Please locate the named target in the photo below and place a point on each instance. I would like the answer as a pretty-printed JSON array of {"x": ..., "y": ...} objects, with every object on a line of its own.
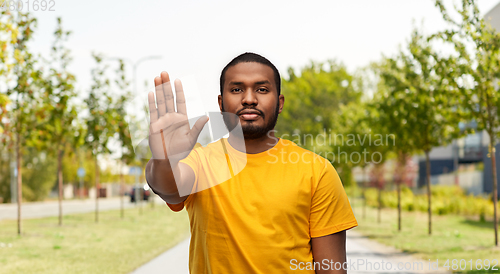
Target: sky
[{"x": 196, "y": 39}]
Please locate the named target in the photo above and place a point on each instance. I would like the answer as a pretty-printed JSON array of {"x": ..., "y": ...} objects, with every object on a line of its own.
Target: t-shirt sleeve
[
  {"x": 331, "y": 211},
  {"x": 193, "y": 161}
]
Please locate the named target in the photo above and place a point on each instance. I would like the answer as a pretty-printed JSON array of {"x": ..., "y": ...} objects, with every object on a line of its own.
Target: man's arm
[
  {"x": 170, "y": 140},
  {"x": 160, "y": 177},
  {"x": 331, "y": 248}
]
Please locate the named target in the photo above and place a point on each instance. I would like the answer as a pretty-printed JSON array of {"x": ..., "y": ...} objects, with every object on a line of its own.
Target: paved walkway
[
  {"x": 51, "y": 208},
  {"x": 363, "y": 255},
  {"x": 173, "y": 261}
]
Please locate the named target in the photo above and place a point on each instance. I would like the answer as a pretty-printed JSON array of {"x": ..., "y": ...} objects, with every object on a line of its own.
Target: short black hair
[{"x": 249, "y": 57}]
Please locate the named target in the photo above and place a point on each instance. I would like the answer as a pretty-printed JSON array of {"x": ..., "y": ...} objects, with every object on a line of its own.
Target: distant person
[{"x": 256, "y": 203}]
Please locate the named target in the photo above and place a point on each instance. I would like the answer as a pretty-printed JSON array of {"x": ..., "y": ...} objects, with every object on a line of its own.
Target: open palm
[{"x": 170, "y": 136}]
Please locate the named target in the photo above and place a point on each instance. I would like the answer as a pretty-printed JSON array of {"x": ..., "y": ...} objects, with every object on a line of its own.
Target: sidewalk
[
  {"x": 364, "y": 256},
  {"x": 173, "y": 261},
  {"x": 51, "y": 208}
]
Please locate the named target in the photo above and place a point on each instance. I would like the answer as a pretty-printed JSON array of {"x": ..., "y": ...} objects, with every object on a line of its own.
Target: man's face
[{"x": 251, "y": 93}]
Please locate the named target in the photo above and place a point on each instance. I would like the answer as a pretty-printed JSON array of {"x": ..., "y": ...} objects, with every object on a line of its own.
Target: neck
[{"x": 255, "y": 145}]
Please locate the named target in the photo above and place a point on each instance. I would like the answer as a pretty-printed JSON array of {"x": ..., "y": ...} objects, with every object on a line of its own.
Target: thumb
[{"x": 198, "y": 126}]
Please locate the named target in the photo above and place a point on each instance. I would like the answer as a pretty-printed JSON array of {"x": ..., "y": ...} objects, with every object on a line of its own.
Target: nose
[{"x": 249, "y": 98}]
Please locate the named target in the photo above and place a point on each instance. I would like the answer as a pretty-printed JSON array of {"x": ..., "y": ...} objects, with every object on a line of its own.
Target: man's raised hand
[{"x": 170, "y": 136}]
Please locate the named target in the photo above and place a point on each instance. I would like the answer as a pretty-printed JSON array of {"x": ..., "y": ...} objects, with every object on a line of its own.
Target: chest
[{"x": 267, "y": 194}]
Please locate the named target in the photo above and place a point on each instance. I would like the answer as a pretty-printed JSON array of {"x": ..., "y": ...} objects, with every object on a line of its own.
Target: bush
[
  {"x": 445, "y": 200},
  {"x": 447, "y": 191}
]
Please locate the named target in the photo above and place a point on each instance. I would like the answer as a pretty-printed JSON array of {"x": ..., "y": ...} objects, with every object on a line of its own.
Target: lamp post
[{"x": 135, "y": 65}]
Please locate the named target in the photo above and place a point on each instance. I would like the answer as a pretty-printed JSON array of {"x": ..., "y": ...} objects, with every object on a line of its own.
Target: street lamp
[
  {"x": 136, "y": 64},
  {"x": 134, "y": 69}
]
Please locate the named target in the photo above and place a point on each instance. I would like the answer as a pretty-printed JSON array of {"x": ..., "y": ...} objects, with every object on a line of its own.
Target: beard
[{"x": 251, "y": 131}]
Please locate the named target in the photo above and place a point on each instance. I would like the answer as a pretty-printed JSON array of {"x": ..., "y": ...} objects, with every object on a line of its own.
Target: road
[
  {"x": 363, "y": 256},
  {"x": 51, "y": 208}
]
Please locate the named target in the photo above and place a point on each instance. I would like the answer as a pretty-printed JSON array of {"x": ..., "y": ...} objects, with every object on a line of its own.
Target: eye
[
  {"x": 264, "y": 90},
  {"x": 235, "y": 90}
]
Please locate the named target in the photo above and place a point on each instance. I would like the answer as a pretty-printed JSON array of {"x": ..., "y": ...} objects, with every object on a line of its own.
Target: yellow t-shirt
[{"x": 261, "y": 218}]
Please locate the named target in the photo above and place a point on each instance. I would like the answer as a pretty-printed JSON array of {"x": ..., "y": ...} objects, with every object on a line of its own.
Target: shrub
[{"x": 445, "y": 200}]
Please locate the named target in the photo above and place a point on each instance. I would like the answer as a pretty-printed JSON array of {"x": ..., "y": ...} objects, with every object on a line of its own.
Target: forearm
[{"x": 160, "y": 177}]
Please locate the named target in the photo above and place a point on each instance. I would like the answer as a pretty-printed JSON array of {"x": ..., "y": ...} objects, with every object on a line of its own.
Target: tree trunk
[
  {"x": 365, "y": 182},
  {"x": 400, "y": 173},
  {"x": 96, "y": 190},
  {"x": 495, "y": 190},
  {"x": 60, "y": 182},
  {"x": 399, "y": 205},
  {"x": 122, "y": 191},
  {"x": 379, "y": 219},
  {"x": 428, "y": 179},
  {"x": 19, "y": 183}
]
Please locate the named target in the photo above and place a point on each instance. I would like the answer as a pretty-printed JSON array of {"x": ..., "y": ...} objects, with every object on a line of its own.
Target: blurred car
[{"x": 144, "y": 190}]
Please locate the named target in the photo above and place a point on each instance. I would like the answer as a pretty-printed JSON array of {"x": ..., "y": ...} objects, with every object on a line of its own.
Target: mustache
[{"x": 260, "y": 112}]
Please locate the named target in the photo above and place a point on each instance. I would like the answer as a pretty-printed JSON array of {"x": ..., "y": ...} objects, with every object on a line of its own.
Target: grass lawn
[
  {"x": 453, "y": 237},
  {"x": 113, "y": 245}
]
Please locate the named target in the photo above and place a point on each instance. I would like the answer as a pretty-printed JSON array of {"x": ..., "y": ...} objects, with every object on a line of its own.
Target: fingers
[
  {"x": 198, "y": 126},
  {"x": 179, "y": 98},
  {"x": 153, "y": 112},
  {"x": 165, "y": 97},
  {"x": 160, "y": 98},
  {"x": 167, "y": 92}
]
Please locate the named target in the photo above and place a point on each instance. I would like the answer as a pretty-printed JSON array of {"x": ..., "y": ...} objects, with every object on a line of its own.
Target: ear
[
  {"x": 281, "y": 99},
  {"x": 220, "y": 103}
]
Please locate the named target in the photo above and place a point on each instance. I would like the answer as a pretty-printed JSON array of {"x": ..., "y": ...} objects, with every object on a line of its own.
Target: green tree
[
  {"x": 4, "y": 148},
  {"x": 352, "y": 124},
  {"x": 80, "y": 151},
  {"x": 24, "y": 88},
  {"x": 475, "y": 72},
  {"x": 389, "y": 108},
  {"x": 375, "y": 140},
  {"x": 4, "y": 101},
  {"x": 39, "y": 173},
  {"x": 8, "y": 38},
  {"x": 416, "y": 98},
  {"x": 120, "y": 116},
  {"x": 100, "y": 123},
  {"x": 60, "y": 88},
  {"x": 312, "y": 103}
]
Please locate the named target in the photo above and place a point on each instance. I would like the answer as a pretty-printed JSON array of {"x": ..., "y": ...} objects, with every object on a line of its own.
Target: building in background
[{"x": 463, "y": 162}]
